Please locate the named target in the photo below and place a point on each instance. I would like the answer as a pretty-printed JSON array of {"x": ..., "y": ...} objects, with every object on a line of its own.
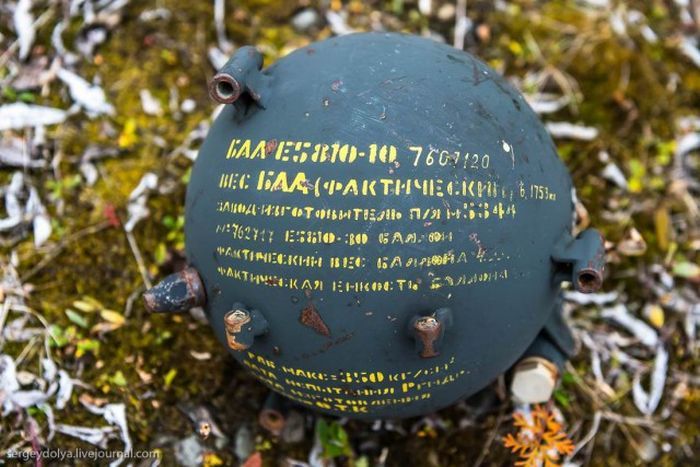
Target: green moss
[{"x": 623, "y": 89}]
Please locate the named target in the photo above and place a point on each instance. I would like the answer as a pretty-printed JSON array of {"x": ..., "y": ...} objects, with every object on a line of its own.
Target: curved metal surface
[{"x": 440, "y": 188}]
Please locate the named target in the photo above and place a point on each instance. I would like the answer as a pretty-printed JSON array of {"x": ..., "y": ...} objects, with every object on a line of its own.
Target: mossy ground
[{"x": 623, "y": 90}]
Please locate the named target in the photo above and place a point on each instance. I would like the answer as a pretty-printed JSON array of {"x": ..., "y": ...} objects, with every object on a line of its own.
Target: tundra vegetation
[{"x": 103, "y": 104}]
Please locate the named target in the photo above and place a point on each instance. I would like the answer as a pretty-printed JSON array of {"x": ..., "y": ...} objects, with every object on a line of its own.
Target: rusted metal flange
[
  {"x": 240, "y": 75},
  {"x": 585, "y": 255},
  {"x": 429, "y": 330},
  {"x": 242, "y": 326},
  {"x": 273, "y": 416},
  {"x": 178, "y": 292}
]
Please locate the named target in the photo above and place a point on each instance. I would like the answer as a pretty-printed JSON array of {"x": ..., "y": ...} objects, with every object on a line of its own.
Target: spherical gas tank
[{"x": 375, "y": 220}]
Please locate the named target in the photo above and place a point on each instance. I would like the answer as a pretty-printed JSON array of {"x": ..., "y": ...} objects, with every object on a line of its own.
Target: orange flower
[{"x": 540, "y": 440}]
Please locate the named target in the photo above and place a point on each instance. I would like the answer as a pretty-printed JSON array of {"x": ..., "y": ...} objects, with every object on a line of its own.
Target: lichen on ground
[{"x": 633, "y": 90}]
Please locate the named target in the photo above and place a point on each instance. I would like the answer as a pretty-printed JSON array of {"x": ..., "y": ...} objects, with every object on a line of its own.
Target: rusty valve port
[
  {"x": 584, "y": 258},
  {"x": 274, "y": 414},
  {"x": 429, "y": 330},
  {"x": 224, "y": 89},
  {"x": 234, "y": 321},
  {"x": 589, "y": 280},
  {"x": 242, "y": 327},
  {"x": 240, "y": 75},
  {"x": 176, "y": 293},
  {"x": 272, "y": 420}
]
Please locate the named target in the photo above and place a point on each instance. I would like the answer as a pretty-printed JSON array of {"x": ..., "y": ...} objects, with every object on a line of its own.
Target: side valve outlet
[
  {"x": 240, "y": 76},
  {"x": 428, "y": 331},
  {"x": 177, "y": 293},
  {"x": 243, "y": 326},
  {"x": 584, "y": 256}
]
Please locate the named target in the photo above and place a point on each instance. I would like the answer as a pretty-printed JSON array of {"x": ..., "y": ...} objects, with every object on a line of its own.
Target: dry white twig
[
  {"x": 689, "y": 47},
  {"x": 96, "y": 436},
  {"x": 613, "y": 173},
  {"x": 338, "y": 24},
  {"x": 647, "y": 402},
  {"x": 114, "y": 414},
  {"x": 545, "y": 103},
  {"x": 590, "y": 299},
  {"x": 41, "y": 222},
  {"x": 462, "y": 24},
  {"x": 33, "y": 210},
  {"x": 65, "y": 389},
  {"x": 138, "y": 198},
  {"x": 13, "y": 206},
  {"x": 571, "y": 131},
  {"x": 217, "y": 57},
  {"x": 23, "y": 21},
  {"x": 20, "y": 115},
  {"x": 90, "y": 97},
  {"x": 425, "y": 7},
  {"x": 15, "y": 152},
  {"x": 641, "y": 330},
  {"x": 220, "y": 26},
  {"x": 150, "y": 105}
]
